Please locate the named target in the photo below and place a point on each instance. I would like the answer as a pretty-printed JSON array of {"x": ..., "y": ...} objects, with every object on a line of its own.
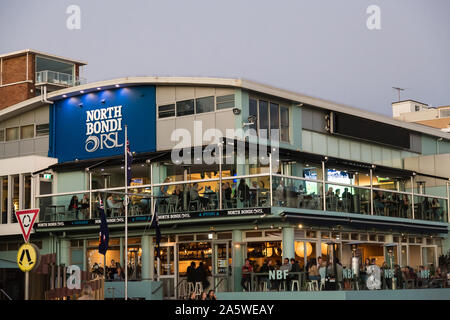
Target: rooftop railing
[{"x": 58, "y": 78}]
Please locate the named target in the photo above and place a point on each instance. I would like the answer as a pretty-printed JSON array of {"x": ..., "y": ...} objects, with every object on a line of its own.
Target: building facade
[{"x": 234, "y": 170}]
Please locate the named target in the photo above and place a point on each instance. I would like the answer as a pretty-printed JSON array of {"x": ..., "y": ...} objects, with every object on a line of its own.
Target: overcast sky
[{"x": 321, "y": 48}]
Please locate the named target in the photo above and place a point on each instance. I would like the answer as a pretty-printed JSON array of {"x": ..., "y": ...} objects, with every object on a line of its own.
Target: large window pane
[
  {"x": 284, "y": 123},
  {"x": 166, "y": 111},
  {"x": 274, "y": 118},
  {"x": 253, "y": 111},
  {"x": 27, "y": 132},
  {"x": 15, "y": 199},
  {"x": 42, "y": 130},
  {"x": 185, "y": 107},
  {"x": 225, "y": 102},
  {"x": 205, "y": 104},
  {"x": 263, "y": 117},
  {"x": 2, "y": 135},
  {"x": 12, "y": 134},
  {"x": 27, "y": 192}
]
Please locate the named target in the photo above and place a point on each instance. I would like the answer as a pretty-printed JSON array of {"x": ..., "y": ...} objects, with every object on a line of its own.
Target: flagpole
[{"x": 126, "y": 213}]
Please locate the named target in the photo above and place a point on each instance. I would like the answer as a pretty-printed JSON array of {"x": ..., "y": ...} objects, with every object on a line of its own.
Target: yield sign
[{"x": 26, "y": 220}]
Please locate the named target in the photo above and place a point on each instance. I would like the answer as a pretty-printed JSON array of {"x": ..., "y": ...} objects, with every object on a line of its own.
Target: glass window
[
  {"x": 284, "y": 123},
  {"x": 12, "y": 134},
  {"x": 4, "y": 203},
  {"x": 166, "y": 111},
  {"x": 253, "y": 111},
  {"x": 2, "y": 135},
  {"x": 27, "y": 192},
  {"x": 15, "y": 199},
  {"x": 274, "y": 118},
  {"x": 205, "y": 104},
  {"x": 27, "y": 132},
  {"x": 263, "y": 117},
  {"x": 185, "y": 107},
  {"x": 42, "y": 130},
  {"x": 225, "y": 102}
]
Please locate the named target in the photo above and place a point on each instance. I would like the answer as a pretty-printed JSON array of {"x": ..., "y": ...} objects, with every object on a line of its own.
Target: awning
[{"x": 366, "y": 222}]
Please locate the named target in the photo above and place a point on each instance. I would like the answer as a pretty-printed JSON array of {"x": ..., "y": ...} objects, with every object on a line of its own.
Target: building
[
  {"x": 325, "y": 176},
  {"x": 24, "y": 74},
  {"x": 418, "y": 112}
]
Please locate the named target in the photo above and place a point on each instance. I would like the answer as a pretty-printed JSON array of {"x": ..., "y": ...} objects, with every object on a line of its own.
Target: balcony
[{"x": 47, "y": 77}]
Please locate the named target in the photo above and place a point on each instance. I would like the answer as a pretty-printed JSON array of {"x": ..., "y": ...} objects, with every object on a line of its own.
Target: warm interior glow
[{"x": 300, "y": 249}]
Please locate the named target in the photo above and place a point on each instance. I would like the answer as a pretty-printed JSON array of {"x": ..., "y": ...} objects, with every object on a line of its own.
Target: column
[
  {"x": 64, "y": 252},
  {"x": 85, "y": 267},
  {"x": 121, "y": 252},
  {"x": 288, "y": 243},
  {"x": 147, "y": 257},
  {"x": 237, "y": 259}
]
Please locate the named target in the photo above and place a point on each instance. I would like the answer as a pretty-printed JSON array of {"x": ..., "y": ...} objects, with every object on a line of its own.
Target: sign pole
[
  {"x": 27, "y": 285},
  {"x": 126, "y": 213}
]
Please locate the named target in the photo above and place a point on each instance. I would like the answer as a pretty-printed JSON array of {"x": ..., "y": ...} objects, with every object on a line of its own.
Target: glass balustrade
[
  {"x": 297, "y": 193},
  {"x": 348, "y": 199}
]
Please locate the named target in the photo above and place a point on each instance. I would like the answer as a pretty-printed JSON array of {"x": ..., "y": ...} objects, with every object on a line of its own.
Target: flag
[
  {"x": 129, "y": 161},
  {"x": 104, "y": 233}
]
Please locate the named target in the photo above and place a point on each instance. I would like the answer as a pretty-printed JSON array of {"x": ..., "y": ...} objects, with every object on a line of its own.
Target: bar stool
[
  {"x": 191, "y": 288},
  {"x": 282, "y": 285},
  {"x": 312, "y": 285},
  {"x": 295, "y": 282},
  {"x": 264, "y": 286}
]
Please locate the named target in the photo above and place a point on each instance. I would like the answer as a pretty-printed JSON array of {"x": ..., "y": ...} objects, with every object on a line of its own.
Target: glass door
[
  {"x": 167, "y": 269},
  {"x": 221, "y": 266}
]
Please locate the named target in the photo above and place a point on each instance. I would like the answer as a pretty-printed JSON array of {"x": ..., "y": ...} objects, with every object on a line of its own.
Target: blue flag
[
  {"x": 129, "y": 162},
  {"x": 104, "y": 233}
]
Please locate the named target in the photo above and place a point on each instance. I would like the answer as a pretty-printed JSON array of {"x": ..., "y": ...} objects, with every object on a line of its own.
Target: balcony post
[
  {"x": 371, "y": 191},
  {"x": 90, "y": 195},
  {"x": 448, "y": 202},
  {"x": 220, "y": 174},
  {"x": 270, "y": 173},
  {"x": 412, "y": 197},
  {"x": 324, "y": 188}
]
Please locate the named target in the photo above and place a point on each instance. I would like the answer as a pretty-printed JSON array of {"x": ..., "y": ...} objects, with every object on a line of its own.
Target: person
[
  {"x": 178, "y": 193},
  {"x": 319, "y": 262},
  {"x": 85, "y": 205},
  {"x": 192, "y": 296},
  {"x": 201, "y": 276},
  {"x": 313, "y": 272},
  {"x": 398, "y": 274},
  {"x": 211, "y": 295},
  {"x": 280, "y": 193},
  {"x": 204, "y": 296},
  {"x": 378, "y": 202},
  {"x": 74, "y": 205},
  {"x": 404, "y": 206},
  {"x": 265, "y": 269},
  {"x": 226, "y": 189},
  {"x": 191, "y": 273},
  {"x": 246, "y": 270},
  {"x": 119, "y": 275},
  {"x": 163, "y": 194},
  {"x": 86, "y": 293},
  {"x": 347, "y": 200},
  {"x": 194, "y": 196},
  {"x": 244, "y": 193},
  {"x": 435, "y": 207},
  {"x": 112, "y": 269}
]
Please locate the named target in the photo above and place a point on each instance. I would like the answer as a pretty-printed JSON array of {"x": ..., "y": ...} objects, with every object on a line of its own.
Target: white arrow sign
[{"x": 26, "y": 220}]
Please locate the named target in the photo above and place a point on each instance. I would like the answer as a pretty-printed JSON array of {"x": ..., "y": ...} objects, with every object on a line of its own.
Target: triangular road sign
[{"x": 26, "y": 220}]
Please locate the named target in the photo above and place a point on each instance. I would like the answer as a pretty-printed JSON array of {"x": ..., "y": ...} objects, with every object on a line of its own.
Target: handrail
[{"x": 6, "y": 295}]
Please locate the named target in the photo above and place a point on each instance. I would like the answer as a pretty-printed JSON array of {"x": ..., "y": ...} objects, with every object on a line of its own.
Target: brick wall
[{"x": 14, "y": 70}]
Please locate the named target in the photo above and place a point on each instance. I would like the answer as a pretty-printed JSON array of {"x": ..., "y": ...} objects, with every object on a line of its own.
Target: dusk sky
[{"x": 319, "y": 48}]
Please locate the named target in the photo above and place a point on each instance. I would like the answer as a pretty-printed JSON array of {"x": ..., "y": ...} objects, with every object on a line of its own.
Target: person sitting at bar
[
  {"x": 313, "y": 272},
  {"x": 246, "y": 277},
  {"x": 244, "y": 193},
  {"x": 201, "y": 275},
  {"x": 227, "y": 192},
  {"x": 254, "y": 189},
  {"x": 85, "y": 205},
  {"x": 178, "y": 192},
  {"x": 378, "y": 202},
  {"x": 265, "y": 268},
  {"x": 194, "y": 196},
  {"x": 119, "y": 276}
]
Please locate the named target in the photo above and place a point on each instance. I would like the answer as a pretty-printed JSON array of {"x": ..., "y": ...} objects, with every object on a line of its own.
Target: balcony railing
[
  {"x": 58, "y": 78},
  {"x": 261, "y": 190}
]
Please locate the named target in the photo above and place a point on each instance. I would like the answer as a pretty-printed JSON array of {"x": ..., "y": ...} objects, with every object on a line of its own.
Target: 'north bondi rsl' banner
[{"x": 91, "y": 125}]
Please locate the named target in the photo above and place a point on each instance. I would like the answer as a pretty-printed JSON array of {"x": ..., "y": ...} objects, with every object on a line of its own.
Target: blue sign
[{"x": 92, "y": 125}]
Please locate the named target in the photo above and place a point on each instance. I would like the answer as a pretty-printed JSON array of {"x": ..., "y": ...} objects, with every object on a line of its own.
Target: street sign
[
  {"x": 27, "y": 257},
  {"x": 26, "y": 220}
]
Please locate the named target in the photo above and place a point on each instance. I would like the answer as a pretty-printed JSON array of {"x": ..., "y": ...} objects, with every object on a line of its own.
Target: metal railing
[{"x": 58, "y": 78}]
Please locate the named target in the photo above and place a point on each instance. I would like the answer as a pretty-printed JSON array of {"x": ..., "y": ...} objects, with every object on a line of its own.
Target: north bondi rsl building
[{"x": 336, "y": 174}]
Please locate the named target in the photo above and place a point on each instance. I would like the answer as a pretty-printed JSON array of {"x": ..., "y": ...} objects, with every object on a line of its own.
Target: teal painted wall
[{"x": 339, "y": 147}]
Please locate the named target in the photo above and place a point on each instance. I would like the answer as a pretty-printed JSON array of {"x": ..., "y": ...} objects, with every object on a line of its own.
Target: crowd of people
[
  {"x": 115, "y": 271},
  {"x": 196, "y": 197},
  {"x": 371, "y": 276}
]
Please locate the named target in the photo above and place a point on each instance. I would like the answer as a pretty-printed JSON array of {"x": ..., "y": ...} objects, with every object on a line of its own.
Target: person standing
[{"x": 247, "y": 268}]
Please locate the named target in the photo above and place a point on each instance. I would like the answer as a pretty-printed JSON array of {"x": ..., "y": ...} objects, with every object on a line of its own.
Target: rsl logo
[{"x": 102, "y": 128}]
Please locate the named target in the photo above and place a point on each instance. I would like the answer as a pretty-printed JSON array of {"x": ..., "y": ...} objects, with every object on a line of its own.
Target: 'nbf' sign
[{"x": 278, "y": 274}]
